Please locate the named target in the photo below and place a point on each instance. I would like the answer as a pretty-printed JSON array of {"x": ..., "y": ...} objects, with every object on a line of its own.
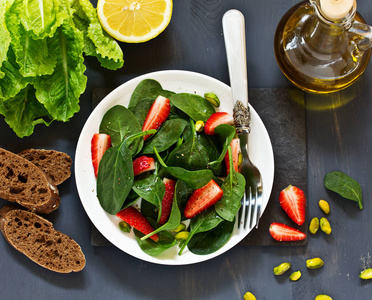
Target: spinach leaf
[
  {"x": 190, "y": 155},
  {"x": 205, "y": 221},
  {"x": 345, "y": 186},
  {"x": 183, "y": 193},
  {"x": 141, "y": 89},
  {"x": 193, "y": 179},
  {"x": 115, "y": 178},
  {"x": 226, "y": 134},
  {"x": 141, "y": 109},
  {"x": 208, "y": 242},
  {"x": 197, "y": 107},
  {"x": 154, "y": 93},
  {"x": 168, "y": 135},
  {"x": 233, "y": 190},
  {"x": 119, "y": 122},
  {"x": 151, "y": 188},
  {"x": 173, "y": 221},
  {"x": 166, "y": 241}
]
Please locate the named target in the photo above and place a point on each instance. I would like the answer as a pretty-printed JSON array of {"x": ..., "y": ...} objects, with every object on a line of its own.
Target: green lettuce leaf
[
  {"x": 97, "y": 42},
  {"x": 60, "y": 92},
  {"x": 4, "y": 33},
  {"x": 23, "y": 112}
]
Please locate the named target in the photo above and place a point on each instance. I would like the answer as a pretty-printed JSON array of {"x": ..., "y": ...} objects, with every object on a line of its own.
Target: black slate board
[{"x": 283, "y": 114}]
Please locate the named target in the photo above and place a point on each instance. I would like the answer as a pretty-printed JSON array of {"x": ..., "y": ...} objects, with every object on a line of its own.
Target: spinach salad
[{"x": 181, "y": 153}]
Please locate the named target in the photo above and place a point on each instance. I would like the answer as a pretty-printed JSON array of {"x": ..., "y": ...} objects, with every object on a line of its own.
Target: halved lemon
[{"x": 134, "y": 21}]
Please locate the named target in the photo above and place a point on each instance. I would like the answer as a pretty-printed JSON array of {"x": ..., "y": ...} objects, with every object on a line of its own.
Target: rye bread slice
[
  {"x": 56, "y": 165},
  {"x": 24, "y": 183},
  {"x": 36, "y": 238}
]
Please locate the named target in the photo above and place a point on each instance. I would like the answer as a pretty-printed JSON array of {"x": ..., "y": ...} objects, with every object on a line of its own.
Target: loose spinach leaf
[
  {"x": 151, "y": 188},
  {"x": 205, "y": 221},
  {"x": 233, "y": 191},
  {"x": 166, "y": 241},
  {"x": 193, "y": 179},
  {"x": 115, "y": 178},
  {"x": 208, "y": 242},
  {"x": 197, "y": 107},
  {"x": 173, "y": 220},
  {"x": 168, "y": 135},
  {"x": 142, "y": 88},
  {"x": 119, "y": 122},
  {"x": 190, "y": 155},
  {"x": 345, "y": 186}
]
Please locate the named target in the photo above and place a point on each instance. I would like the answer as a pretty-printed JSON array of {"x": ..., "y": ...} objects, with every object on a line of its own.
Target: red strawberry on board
[
  {"x": 285, "y": 233},
  {"x": 157, "y": 114},
  {"x": 235, "y": 151},
  {"x": 166, "y": 204},
  {"x": 293, "y": 201},
  {"x": 203, "y": 198},
  {"x": 216, "y": 119},
  {"x": 134, "y": 218},
  {"x": 143, "y": 164},
  {"x": 99, "y": 144}
]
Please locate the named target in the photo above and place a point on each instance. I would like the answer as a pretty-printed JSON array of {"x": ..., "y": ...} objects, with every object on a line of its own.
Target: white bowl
[{"x": 260, "y": 150}]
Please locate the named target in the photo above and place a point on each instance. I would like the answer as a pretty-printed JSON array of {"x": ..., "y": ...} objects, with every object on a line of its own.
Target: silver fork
[{"x": 234, "y": 34}]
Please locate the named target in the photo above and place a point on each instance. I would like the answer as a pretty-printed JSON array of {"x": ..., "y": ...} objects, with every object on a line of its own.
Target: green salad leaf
[{"x": 42, "y": 62}]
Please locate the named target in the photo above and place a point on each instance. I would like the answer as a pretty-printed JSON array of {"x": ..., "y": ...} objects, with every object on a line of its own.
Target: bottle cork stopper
[{"x": 336, "y": 9}]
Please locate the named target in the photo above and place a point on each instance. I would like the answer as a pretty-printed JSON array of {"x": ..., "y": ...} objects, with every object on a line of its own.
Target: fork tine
[
  {"x": 259, "y": 203},
  {"x": 254, "y": 205},
  {"x": 248, "y": 216},
  {"x": 241, "y": 212}
]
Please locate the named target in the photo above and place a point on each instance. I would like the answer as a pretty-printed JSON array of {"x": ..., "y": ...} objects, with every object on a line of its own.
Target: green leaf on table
[
  {"x": 60, "y": 91},
  {"x": 195, "y": 106},
  {"x": 345, "y": 186},
  {"x": 119, "y": 122}
]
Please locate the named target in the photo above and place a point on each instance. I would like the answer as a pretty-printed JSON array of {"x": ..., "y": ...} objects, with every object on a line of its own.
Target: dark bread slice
[
  {"x": 36, "y": 238},
  {"x": 24, "y": 183},
  {"x": 56, "y": 165}
]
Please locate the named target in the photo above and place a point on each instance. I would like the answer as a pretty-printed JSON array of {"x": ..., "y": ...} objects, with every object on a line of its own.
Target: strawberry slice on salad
[
  {"x": 143, "y": 164},
  {"x": 236, "y": 152},
  {"x": 167, "y": 202},
  {"x": 202, "y": 198},
  {"x": 285, "y": 233},
  {"x": 99, "y": 144},
  {"x": 293, "y": 201},
  {"x": 157, "y": 114},
  {"x": 134, "y": 218},
  {"x": 216, "y": 119}
]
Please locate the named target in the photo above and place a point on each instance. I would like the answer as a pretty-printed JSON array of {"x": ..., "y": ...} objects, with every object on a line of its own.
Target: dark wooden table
[{"x": 338, "y": 138}]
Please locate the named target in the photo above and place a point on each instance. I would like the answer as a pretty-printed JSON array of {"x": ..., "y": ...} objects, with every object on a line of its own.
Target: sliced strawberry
[
  {"x": 216, "y": 119},
  {"x": 293, "y": 201},
  {"x": 285, "y": 233},
  {"x": 157, "y": 114},
  {"x": 166, "y": 204},
  {"x": 134, "y": 218},
  {"x": 235, "y": 151},
  {"x": 143, "y": 164},
  {"x": 203, "y": 198},
  {"x": 99, "y": 144}
]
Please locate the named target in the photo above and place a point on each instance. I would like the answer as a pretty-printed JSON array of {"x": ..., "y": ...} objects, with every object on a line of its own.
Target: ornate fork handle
[{"x": 242, "y": 117}]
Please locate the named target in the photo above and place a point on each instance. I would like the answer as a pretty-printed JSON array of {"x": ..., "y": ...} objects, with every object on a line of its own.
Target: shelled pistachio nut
[
  {"x": 314, "y": 225},
  {"x": 314, "y": 263},
  {"x": 282, "y": 268},
  {"x": 324, "y": 206},
  {"x": 323, "y": 297},
  {"x": 295, "y": 276},
  {"x": 249, "y": 296},
  {"x": 182, "y": 235},
  {"x": 213, "y": 99},
  {"x": 199, "y": 126},
  {"x": 179, "y": 228},
  {"x": 325, "y": 226},
  {"x": 366, "y": 274},
  {"x": 124, "y": 226}
]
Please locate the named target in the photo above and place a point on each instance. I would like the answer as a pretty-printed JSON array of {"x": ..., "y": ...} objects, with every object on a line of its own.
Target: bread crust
[
  {"x": 23, "y": 182},
  {"x": 55, "y": 164},
  {"x": 35, "y": 237}
]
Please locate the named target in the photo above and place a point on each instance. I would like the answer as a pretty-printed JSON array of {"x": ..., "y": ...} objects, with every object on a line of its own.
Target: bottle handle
[{"x": 365, "y": 32}]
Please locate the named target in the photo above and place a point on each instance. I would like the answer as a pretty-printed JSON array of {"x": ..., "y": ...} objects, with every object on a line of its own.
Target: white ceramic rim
[{"x": 260, "y": 150}]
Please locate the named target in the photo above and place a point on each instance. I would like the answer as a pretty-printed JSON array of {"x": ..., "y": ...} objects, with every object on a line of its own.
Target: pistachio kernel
[
  {"x": 124, "y": 226},
  {"x": 182, "y": 236},
  {"x": 249, "y": 296},
  {"x": 314, "y": 225},
  {"x": 324, "y": 206},
  {"x": 295, "y": 276},
  {"x": 323, "y": 297},
  {"x": 199, "y": 125},
  {"x": 282, "y": 268},
  {"x": 212, "y": 98},
  {"x": 325, "y": 226},
  {"x": 314, "y": 263},
  {"x": 179, "y": 228},
  {"x": 366, "y": 274}
]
